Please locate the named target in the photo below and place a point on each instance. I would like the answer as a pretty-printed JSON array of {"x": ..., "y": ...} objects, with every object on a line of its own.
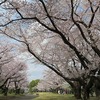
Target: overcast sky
[{"x": 35, "y": 71}]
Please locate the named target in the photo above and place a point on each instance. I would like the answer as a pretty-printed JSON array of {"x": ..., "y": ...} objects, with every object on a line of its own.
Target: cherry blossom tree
[
  {"x": 51, "y": 81},
  {"x": 59, "y": 34},
  {"x": 5, "y": 58},
  {"x": 13, "y": 71},
  {"x": 11, "y": 68}
]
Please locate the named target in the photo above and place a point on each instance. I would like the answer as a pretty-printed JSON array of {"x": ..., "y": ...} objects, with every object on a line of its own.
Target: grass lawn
[
  {"x": 41, "y": 96},
  {"x": 52, "y": 96},
  {"x": 26, "y": 97}
]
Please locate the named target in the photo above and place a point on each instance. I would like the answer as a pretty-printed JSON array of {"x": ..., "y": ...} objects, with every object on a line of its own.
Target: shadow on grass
[{"x": 26, "y": 97}]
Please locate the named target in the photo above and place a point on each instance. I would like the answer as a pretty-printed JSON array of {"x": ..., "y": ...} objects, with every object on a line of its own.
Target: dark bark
[
  {"x": 77, "y": 90},
  {"x": 97, "y": 85},
  {"x": 17, "y": 91},
  {"x": 77, "y": 93},
  {"x": 5, "y": 91},
  {"x": 86, "y": 93},
  {"x": 87, "y": 87},
  {"x": 97, "y": 88}
]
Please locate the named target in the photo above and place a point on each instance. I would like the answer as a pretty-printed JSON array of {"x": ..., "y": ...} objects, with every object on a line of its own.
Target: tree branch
[{"x": 3, "y": 2}]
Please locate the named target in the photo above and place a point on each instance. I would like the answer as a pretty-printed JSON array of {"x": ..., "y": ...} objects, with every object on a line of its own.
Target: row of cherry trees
[
  {"x": 12, "y": 70},
  {"x": 64, "y": 35},
  {"x": 50, "y": 82}
]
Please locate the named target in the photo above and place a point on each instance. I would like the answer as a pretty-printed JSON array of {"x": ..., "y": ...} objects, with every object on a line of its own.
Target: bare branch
[{"x": 3, "y": 2}]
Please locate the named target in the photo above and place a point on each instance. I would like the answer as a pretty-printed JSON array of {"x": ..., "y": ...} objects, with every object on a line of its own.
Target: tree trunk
[
  {"x": 97, "y": 88},
  {"x": 97, "y": 92},
  {"x": 76, "y": 87},
  {"x": 5, "y": 91},
  {"x": 86, "y": 94},
  {"x": 18, "y": 91},
  {"x": 77, "y": 93}
]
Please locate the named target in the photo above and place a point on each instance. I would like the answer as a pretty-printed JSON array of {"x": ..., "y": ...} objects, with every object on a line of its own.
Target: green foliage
[{"x": 32, "y": 85}]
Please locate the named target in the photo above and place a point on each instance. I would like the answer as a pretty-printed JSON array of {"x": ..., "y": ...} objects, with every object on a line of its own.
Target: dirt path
[{"x": 30, "y": 97}]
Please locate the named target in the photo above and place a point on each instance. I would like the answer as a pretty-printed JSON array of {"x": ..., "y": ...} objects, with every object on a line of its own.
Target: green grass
[
  {"x": 52, "y": 96},
  {"x": 43, "y": 96}
]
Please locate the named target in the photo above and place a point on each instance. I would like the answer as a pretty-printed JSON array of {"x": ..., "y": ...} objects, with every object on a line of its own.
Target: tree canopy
[{"x": 64, "y": 35}]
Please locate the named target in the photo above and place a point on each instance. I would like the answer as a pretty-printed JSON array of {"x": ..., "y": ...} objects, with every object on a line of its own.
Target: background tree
[
  {"x": 10, "y": 68},
  {"x": 50, "y": 82},
  {"x": 32, "y": 85},
  {"x": 12, "y": 72}
]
